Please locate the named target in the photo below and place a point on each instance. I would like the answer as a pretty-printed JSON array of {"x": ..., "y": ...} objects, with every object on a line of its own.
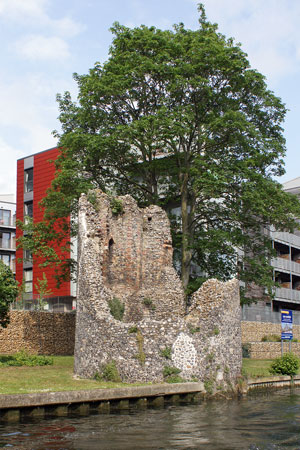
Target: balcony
[
  {"x": 8, "y": 244},
  {"x": 8, "y": 223},
  {"x": 286, "y": 265},
  {"x": 288, "y": 295},
  {"x": 288, "y": 238}
]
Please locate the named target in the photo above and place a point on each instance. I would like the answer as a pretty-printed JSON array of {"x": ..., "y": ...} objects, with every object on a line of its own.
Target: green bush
[
  {"x": 246, "y": 350},
  {"x": 166, "y": 352},
  {"x": 271, "y": 338},
  {"x": 117, "y": 308},
  {"x": 169, "y": 371},
  {"x": 133, "y": 329},
  {"x": 116, "y": 205},
  {"x": 175, "y": 379},
  {"x": 288, "y": 364},
  {"x": 109, "y": 373},
  {"x": 24, "y": 359}
]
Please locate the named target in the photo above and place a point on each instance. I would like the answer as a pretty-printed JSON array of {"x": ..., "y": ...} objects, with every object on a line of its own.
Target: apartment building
[
  {"x": 287, "y": 263},
  {"x": 34, "y": 176},
  {"x": 8, "y": 230}
]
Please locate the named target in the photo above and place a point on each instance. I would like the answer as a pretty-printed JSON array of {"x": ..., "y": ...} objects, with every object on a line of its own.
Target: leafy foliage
[
  {"x": 271, "y": 338},
  {"x": 117, "y": 308},
  {"x": 246, "y": 348},
  {"x": 166, "y": 352},
  {"x": 178, "y": 118},
  {"x": 288, "y": 364},
  {"x": 22, "y": 358},
  {"x": 109, "y": 373},
  {"x": 8, "y": 293},
  {"x": 43, "y": 291},
  {"x": 169, "y": 372}
]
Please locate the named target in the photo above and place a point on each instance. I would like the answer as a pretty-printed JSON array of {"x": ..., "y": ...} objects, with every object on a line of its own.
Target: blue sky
[{"x": 44, "y": 41}]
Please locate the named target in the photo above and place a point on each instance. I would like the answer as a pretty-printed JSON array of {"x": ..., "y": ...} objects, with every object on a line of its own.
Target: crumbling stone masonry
[{"x": 125, "y": 253}]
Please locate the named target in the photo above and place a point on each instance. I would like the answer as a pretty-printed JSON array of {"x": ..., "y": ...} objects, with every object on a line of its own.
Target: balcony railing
[
  {"x": 8, "y": 244},
  {"x": 286, "y": 237},
  {"x": 8, "y": 222},
  {"x": 286, "y": 264},
  {"x": 290, "y": 295}
]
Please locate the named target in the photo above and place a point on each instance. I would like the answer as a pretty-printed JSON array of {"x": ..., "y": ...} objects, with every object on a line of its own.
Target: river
[{"x": 261, "y": 421}]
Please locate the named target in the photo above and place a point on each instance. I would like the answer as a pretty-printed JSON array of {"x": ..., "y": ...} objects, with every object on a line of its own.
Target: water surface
[{"x": 259, "y": 422}]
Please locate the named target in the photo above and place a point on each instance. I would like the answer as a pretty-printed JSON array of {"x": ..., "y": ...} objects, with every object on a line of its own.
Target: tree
[
  {"x": 43, "y": 291},
  {"x": 179, "y": 119},
  {"x": 8, "y": 293}
]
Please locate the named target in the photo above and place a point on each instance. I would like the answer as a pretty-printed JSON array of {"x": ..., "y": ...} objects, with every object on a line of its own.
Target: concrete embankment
[
  {"x": 14, "y": 408},
  {"x": 47, "y": 404}
]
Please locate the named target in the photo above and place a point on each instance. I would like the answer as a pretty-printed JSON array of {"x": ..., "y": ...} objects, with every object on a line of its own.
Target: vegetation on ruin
[
  {"x": 8, "y": 293},
  {"x": 166, "y": 352},
  {"x": 179, "y": 118},
  {"x": 117, "y": 308},
  {"x": 109, "y": 373},
  {"x": 141, "y": 357}
]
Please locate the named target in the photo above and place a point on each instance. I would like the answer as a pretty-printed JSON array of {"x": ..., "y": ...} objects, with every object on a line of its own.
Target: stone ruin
[{"x": 125, "y": 257}]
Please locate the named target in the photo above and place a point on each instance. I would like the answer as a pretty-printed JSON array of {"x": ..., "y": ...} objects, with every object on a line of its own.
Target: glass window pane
[
  {"x": 5, "y": 217},
  {"x": 28, "y": 209},
  {"x": 28, "y": 180},
  {"x": 28, "y": 275},
  {"x": 4, "y": 240}
]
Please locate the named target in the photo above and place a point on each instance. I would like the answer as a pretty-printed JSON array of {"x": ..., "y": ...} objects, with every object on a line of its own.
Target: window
[
  {"x": 5, "y": 241},
  {"x": 5, "y": 259},
  {"x": 28, "y": 280},
  {"x": 28, "y": 210},
  {"x": 5, "y": 217},
  {"x": 28, "y": 180},
  {"x": 27, "y": 256}
]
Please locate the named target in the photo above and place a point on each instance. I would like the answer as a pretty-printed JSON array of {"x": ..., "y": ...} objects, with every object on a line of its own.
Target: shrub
[
  {"x": 22, "y": 358},
  {"x": 117, "y": 308},
  {"x": 175, "y": 379},
  {"x": 133, "y": 329},
  {"x": 194, "y": 330},
  {"x": 288, "y": 364},
  {"x": 170, "y": 371},
  {"x": 271, "y": 338},
  {"x": 166, "y": 352},
  {"x": 246, "y": 350},
  {"x": 109, "y": 373},
  {"x": 116, "y": 205}
]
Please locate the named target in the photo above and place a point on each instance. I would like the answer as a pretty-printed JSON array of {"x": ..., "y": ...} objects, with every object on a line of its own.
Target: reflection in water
[{"x": 259, "y": 422}]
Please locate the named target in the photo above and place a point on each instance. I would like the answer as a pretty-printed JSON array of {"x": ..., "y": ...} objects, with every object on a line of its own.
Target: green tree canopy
[
  {"x": 8, "y": 293},
  {"x": 178, "y": 118}
]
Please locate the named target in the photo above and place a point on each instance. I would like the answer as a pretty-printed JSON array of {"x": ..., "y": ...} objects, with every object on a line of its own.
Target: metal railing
[
  {"x": 31, "y": 302},
  {"x": 262, "y": 313}
]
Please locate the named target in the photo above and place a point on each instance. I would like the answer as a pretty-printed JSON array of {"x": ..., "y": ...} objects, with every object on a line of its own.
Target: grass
[
  {"x": 255, "y": 368},
  {"x": 58, "y": 377}
]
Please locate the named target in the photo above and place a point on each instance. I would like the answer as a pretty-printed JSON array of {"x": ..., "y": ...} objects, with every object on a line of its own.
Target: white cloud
[
  {"x": 37, "y": 47},
  {"x": 33, "y": 13},
  {"x": 23, "y": 9}
]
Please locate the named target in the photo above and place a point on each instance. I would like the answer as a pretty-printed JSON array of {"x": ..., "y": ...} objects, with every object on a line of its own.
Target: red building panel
[{"x": 43, "y": 174}]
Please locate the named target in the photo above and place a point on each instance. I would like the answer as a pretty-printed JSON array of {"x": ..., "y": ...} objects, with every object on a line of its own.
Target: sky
[{"x": 43, "y": 42}]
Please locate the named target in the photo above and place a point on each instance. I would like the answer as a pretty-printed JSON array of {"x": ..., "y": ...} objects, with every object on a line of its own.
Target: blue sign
[{"x": 286, "y": 324}]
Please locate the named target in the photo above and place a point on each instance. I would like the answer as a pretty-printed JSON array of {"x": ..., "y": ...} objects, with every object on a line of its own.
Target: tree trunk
[{"x": 187, "y": 215}]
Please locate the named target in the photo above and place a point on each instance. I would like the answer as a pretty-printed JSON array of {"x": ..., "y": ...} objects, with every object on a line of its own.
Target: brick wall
[{"x": 39, "y": 332}]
